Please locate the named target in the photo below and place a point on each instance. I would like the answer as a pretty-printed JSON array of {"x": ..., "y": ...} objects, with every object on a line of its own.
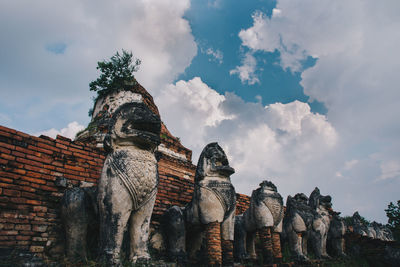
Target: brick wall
[{"x": 29, "y": 196}]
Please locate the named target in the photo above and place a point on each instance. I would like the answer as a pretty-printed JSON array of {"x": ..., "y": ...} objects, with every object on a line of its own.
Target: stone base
[
  {"x": 276, "y": 247},
  {"x": 213, "y": 242},
  {"x": 266, "y": 244},
  {"x": 227, "y": 252}
]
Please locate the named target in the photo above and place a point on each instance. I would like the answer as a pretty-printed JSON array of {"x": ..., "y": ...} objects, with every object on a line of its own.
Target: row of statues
[
  {"x": 372, "y": 230},
  {"x": 124, "y": 199}
]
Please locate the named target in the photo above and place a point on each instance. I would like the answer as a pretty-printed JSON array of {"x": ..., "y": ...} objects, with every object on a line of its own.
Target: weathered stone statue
[
  {"x": 209, "y": 215},
  {"x": 387, "y": 234},
  {"x": 372, "y": 231},
  {"x": 382, "y": 232},
  {"x": 299, "y": 217},
  {"x": 264, "y": 215},
  {"x": 128, "y": 184},
  {"x": 358, "y": 226},
  {"x": 336, "y": 234},
  {"x": 320, "y": 226},
  {"x": 79, "y": 216}
]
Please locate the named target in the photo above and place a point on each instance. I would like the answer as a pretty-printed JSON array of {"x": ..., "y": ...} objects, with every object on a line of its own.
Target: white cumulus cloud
[
  {"x": 247, "y": 70},
  {"x": 280, "y": 142},
  {"x": 355, "y": 76},
  {"x": 70, "y": 131}
]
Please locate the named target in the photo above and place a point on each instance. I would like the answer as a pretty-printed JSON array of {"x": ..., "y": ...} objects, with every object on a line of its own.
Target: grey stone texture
[
  {"x": 336, "y": 233},
  {"x": 79, "y": 215},
  {"x": 214, "y": 200},
  {"x": 299, "y": 217},
  {"x": 265, "y": 210},
  {"x": 358, "y": 226},
  {"x": 373, "y": 230},
  {"x": 322, "y": 205},
  {"x": 128, "y": 183}
]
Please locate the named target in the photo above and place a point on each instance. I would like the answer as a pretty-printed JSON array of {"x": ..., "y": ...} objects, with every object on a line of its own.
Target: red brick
[
  {"x": 11, "y": 193},
  {"x": 7, "y": 243},
  {"x": 25, "y": 227},
  {"x": 7, "y": 156},
  {"x": 18, "y": 200},
  {"x": 36, "y": 169},
  {"x": 47, "y": 146},
  {"x": 9, "y": 130},
  {"x": 61, "y": 146},
  {"x": 75, "y": 168},
  {"x": 40, "y": 208},
  {"x": 7, "y": 237},
  {"x": 18, "y": 154},
  {"x": 35, "y": 185},
  {"x": 46, "y": 151},
  {"x": 28, "y": 189},
  {"x": 3, "y": 133},
  {"x": 9, "y": 232},
  {"x": 40, "y": 228},
  {"x": 36, "y": 249},
  {"x": 40, "y": 159},
  {"x": 33, "y": 202},
  {"x": 29, "y": 195},
  {"x": 49, "y": 167},
  {"x": 48, "y": 188},
  {"x": 5, "y": 150},
  {"x": 23, "y": 134},
  {"x": 34, "y": 180},
  {"x": 6, "y": 226},
  {"x": 64, "y": 142},
  {"x": 5, "y": 145},
  {"x": 48, "y": 177}
]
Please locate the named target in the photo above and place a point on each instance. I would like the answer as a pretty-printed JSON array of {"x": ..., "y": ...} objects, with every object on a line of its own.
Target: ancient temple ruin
[{"x": 60, "y": 200}]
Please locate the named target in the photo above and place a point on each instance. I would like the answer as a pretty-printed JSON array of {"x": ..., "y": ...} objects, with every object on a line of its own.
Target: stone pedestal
[
  {"x": 276, "y": 247},
  {"x": 213, "y": 241},
  {"x": 227, "y": 252},
  {"x": 266, "y": 244}
]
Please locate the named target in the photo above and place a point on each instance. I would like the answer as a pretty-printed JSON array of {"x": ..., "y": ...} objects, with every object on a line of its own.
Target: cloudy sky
[{"x": 302, "y": 92}]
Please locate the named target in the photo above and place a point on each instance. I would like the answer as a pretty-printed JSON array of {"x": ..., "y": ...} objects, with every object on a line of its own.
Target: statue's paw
[
  {"x": 252, "y": 256},
  {"x": 141, "y": 259},
  {"x": 343, "y": 255},
  {"x": 326, "y": 257},
  {"x": 179, "y": 257},
  {"x": 302, "y": 259}
]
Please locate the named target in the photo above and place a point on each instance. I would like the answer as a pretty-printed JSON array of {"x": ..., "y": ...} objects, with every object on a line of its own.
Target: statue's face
[
  {"x": 136, "y": 124},
  {"x": 218, "y": 163},
  {"x": 325, "y": 201},
  {"x": 269, "y": 189},
  {"x": 301, "y": 198}
]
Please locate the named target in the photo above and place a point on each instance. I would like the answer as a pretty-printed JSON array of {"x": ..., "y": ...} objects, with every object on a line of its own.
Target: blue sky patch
[
  {"x": 56, "y": 48},
  {"x": 216, "y": 28}
]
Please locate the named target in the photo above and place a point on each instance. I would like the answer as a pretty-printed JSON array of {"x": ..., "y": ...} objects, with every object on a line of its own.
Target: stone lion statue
[
  {"x": 336, "y": 233},
  {"x": 264, "y": 215},
  {"x": 359, "y": 227},
  {"x": 128, "y": 183},
  {"x": 322, "y": 219},
  {"x": 298, "y": 219},
  {"x": 209, "y": 215},
  {"x": 79, "y": 215}
]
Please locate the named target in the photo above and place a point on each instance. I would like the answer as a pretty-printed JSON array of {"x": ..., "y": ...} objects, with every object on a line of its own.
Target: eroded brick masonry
[{"x": 33, "y": 171}]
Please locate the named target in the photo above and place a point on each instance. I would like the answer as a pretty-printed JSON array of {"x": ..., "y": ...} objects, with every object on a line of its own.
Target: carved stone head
[
  {"x": 133, "y": 124},
  {"x": 358, "y": 225},
  {"x": 268, "y": 186},
  {"x": 266, "y": 189},
  {"x": 213, "y": 162},
  {"x": 300, "y": 198},
  {"x": 319, "y": 201}
]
